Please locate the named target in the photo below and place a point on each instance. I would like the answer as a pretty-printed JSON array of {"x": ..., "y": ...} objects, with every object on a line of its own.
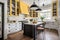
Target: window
[{"x": 47, "y": 14}]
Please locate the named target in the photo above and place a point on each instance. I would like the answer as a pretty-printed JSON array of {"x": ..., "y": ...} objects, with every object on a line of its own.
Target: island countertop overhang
[{"x": 34, "y": 23}]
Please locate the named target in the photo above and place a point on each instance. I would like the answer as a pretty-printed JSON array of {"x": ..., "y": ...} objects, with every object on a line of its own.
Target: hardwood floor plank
[{"x": 46, "y": 35}]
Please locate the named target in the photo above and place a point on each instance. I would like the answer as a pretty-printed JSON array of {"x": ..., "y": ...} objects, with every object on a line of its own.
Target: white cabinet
[
  {"x": 51, "y": 25},
  {"x": 19, "y": 25},
  {"x": 14, "y": 27},
  {"x": 59, "y": 32},
  {"x": 11, "y": 27}
]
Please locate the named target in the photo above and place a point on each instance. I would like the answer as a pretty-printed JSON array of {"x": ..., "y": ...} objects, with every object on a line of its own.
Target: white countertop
[{"x": 34, "y": 23}]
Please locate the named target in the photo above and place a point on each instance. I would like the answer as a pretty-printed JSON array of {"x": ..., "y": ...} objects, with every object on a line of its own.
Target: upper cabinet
[
  {"x": 24, "y": 8},
  {"x": 13, "y": 6},
  {"x": 55, "y": 8},
  {"x": 33, "y": 13},
  {"x": 18, "y": 8}
]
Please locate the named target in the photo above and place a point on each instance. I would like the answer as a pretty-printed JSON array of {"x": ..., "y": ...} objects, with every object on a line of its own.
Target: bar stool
[{"x": 40, "y": 29}]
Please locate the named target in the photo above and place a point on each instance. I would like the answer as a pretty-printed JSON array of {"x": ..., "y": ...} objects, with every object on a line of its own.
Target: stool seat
[{"x": 40, "y": 28}]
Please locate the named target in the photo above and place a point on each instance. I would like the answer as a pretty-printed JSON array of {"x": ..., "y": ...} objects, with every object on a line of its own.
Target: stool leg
[{"x": 44, "y": 35}]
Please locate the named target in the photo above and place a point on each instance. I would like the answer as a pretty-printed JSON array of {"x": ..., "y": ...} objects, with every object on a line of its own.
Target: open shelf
[
  {"x": 55, "y": 8},
  {"x": 13, "y": 7}
]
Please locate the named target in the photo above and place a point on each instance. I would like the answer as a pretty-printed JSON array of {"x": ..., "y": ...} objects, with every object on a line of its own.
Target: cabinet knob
[{"x": 9, "y": 30}]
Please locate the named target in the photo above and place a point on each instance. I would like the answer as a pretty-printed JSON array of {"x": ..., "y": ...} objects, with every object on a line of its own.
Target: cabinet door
[
  {"x": 0, "y": 22},
  {"x": 12, "y": 7},
  {"x": 55, "y": 8},
  {"x": 20, "y": 25},
  {"x": 33, "y": 13}
]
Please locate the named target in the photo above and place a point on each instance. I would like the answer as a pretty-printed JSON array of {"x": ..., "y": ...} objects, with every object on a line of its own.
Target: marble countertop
[{"x": 34, "y": 23}]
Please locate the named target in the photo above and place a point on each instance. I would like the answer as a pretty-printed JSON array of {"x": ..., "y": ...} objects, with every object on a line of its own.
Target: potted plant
[{"x": 42, "y": 17}]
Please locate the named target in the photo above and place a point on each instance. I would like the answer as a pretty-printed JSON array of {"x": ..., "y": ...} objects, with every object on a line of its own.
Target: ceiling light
[
  {"x": 33, "y": 6},
  {"x": 38, "y": 9}
]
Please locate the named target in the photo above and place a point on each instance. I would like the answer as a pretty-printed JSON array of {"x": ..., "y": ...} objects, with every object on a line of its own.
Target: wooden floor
[{"x": 46, "y": 35}]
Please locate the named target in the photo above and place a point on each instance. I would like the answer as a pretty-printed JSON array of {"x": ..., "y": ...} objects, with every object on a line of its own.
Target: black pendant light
[
  {"x": 33, "y": 6},
  {"x": 38, "y": 8},
  {"x": 43, "y": 4}
]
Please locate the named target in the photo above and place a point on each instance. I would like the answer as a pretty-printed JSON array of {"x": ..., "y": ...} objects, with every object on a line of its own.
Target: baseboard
[{"x": 14, "y": 32}]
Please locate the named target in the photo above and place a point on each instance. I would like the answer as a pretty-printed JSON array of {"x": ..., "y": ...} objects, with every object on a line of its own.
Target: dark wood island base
[{"x": 30, "y": 30}]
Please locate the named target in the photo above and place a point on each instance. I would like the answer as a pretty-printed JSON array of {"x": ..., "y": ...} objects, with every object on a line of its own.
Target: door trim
[{"x": 2, "y": 20}]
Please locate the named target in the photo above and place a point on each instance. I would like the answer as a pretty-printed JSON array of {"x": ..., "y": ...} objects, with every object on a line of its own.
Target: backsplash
[{"x": 16, "y": 18}]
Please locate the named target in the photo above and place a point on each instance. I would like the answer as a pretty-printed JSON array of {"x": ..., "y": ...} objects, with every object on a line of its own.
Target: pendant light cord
[
  {"x": 43, "y": 3},
  {"x": 38, "y": 7},
  {"x": 33, "y": 1},
  {"x": 38, "y": 3}
]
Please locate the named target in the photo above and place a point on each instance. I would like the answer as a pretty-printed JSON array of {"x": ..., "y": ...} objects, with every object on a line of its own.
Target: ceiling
[
  {"x": 38, "y": 2},
  {"x": 47, "y": 3}
]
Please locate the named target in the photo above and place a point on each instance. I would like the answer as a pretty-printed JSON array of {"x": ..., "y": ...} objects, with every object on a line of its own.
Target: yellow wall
[
  {"x": 17, "y": 0},
  {"x": 23, "y": 7}
]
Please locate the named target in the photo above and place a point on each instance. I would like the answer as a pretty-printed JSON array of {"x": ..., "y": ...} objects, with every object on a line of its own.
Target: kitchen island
[{"x": 30, "y": 29}]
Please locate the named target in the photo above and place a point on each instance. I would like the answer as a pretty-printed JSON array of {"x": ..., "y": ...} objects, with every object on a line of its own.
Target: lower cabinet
[
  {"x": 59, "y": 32},
  {"x": 51, "y": 25},
  {"x": 14, "y": 27}
]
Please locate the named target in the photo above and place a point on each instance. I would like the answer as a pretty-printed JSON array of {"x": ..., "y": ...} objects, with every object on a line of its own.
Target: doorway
[{"x": 1, "y": 21}]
